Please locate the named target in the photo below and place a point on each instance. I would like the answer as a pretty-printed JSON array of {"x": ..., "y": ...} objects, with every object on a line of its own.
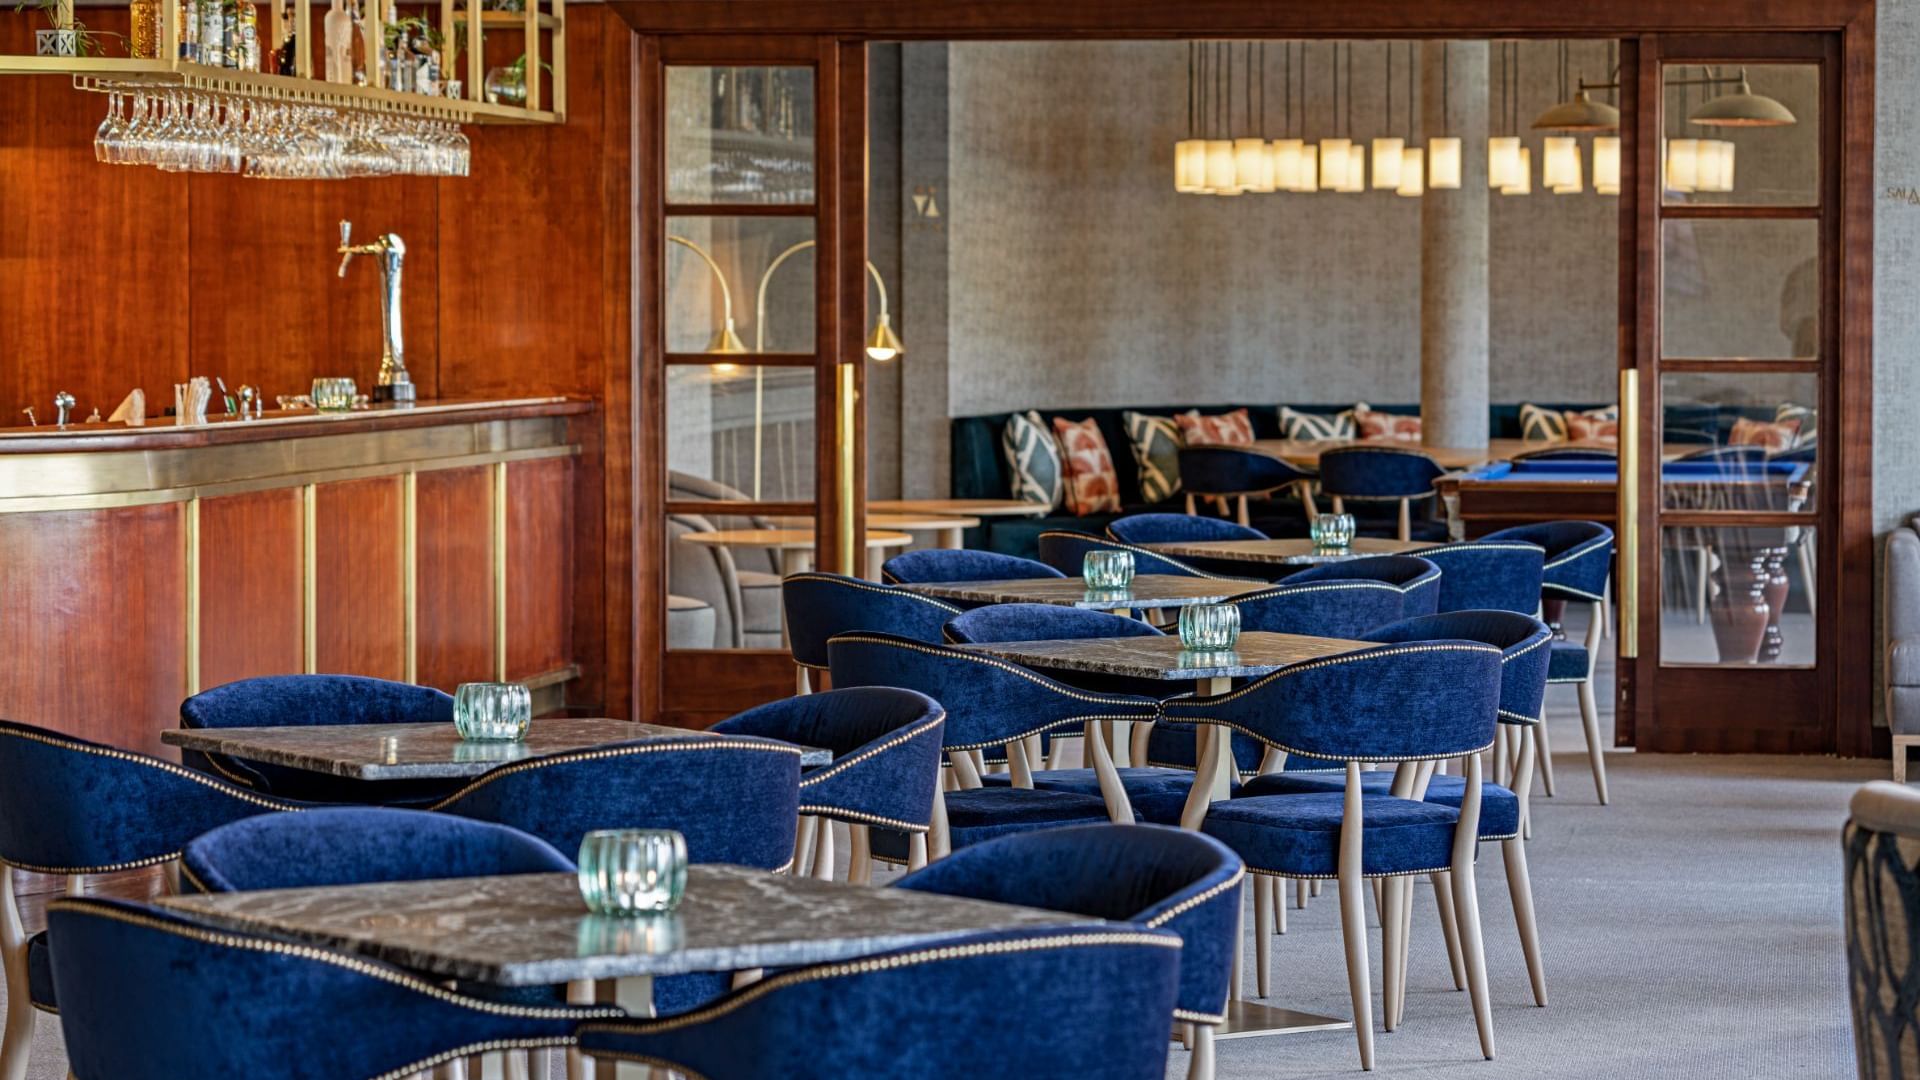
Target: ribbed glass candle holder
[{"x": 633, "y": 871}]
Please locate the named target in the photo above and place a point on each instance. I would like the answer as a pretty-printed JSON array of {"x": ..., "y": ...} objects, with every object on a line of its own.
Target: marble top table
[
  {"x": 420, "y": 751},
  {"x": 962, "y": 507},
  {"x": 1257, "y": 653},
  {"x": 534, "y": 930},
  {"x": 1147, "y": 591},
  {"x": 1288, "y": 552},
  {"x": 949, "y": 530}
]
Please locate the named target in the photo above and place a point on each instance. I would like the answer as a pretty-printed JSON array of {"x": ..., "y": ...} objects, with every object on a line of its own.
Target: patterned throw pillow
[
  {"x": 1379, "y": 425},
  {"x": 1034, "y": 457},
  {"x": 1156, "y": 450},
  {"x": 1808, "y": 417},
  {"x": 1302, "y": 425},
  {"x": 1542, "y": 425},
  {"x": 1093, "y": 487},
  {"x": 1224, "y": 429},
  {"x": 1776, "y": 436},
  {"x": 1589, "y": 428}
]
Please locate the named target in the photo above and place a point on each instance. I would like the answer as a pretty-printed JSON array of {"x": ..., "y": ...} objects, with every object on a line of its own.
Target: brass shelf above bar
[{"x": 104, "y": 74}]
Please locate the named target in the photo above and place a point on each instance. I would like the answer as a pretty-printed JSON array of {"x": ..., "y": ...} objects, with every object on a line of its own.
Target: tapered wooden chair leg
[
  {"x": 916, "y": 851},
  {"x": 1353, "y": 920},
  {"x": 1543, "y": 757},
  {"x": 1390, "y": 952},
  {"x": 1449, "y": 929},
  {"x": 1466, "y": 902},
  {"x": 1279, "y": 887},
  {"x": 1200, "y": 1066},
  {"x": 823, "y": 852},
  {"x": 1596, "y": 752},
  {"x": 803, "y": 845},
  {"x": 1301, "y": 889},
  {"x": 1520, "y": 887},
  {"x": 860, "y": 855},
  {"x": 18, "y": 1045},
  {"x": 1262, "y": 930}
]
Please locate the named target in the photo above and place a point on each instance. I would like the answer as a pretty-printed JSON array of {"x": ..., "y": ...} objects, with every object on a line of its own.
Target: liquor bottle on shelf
[
  {"x": 339, "y": 25},
  {"x": 358, "y": 44},
  {"x": 249, "y": 36},
  {"x": 231, "y": 53},
  {"x": 212, "y": 34},
  {"x": 144, "y": 42},
  {"x": 190, "y": 30},
  {"x": 284, "y": 63}
]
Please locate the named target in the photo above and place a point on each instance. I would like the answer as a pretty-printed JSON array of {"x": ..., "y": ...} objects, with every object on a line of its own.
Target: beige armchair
[{"x": 741, "y": 585}]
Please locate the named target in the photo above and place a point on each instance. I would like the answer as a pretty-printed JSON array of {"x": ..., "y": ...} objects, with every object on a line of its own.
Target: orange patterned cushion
[
  {"x": 1594, "y": 429},
  {"x": 1224, "y": 429},
  {"x": 1379, "y": 425},
  {"x": 1776, "y": 436},
  {"x": 1093, "y": 487}
]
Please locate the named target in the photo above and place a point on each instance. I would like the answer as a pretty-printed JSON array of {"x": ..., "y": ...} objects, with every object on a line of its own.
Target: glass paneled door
[
  {"x": 1728, "y": 552},
  {"x": 741, "y": 214}
]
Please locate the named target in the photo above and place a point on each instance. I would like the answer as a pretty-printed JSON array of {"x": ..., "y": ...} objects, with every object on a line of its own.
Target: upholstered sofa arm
[{"x": 1903, "y": 606}]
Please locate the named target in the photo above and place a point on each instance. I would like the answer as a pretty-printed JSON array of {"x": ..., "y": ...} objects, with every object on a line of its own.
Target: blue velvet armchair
[
  {"x": 1376, "y": 476},
  {"x": 1579, "y": 561},
  {"x": 821, "y": 605},
  {"x": 1067, "y": 1004},
  {"x": 303, "y": 700},
  {"x": 962, "y": 564},
  {"x": 885, "y": 771},
  {"x": 990, "y": 703},
  {"x": 1417, "y": 579},
  {"x": 1488, "y": 575},
  {"x": 148, "y": 995},
  {"x": 1225, "y": 472},
  {"x": 72, "y": 807},
  {"x": 1402, "y": 704},
  {"x": 1178, "y": 528},
  {"x": 1159, "y": 877}
]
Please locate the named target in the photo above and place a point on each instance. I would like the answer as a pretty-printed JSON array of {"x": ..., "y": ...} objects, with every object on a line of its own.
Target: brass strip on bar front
[
  {"x": 853, "y": 555},
  {"x": 410, "y": 573},
  {"x": 309, "y": 581},
  {"x": 192, "y": 530},
  {"x": 1627, "y": 541},
  {"x": 500, "y": 572}
]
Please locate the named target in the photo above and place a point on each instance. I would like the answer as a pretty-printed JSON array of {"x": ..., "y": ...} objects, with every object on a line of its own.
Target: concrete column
[{"x": 1454, "y": 250}]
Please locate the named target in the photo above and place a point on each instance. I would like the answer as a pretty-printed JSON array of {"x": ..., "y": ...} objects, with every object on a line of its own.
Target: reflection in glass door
[{"x": 1737, "y": 357}]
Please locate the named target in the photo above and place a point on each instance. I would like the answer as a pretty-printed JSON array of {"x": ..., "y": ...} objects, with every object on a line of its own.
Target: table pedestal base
[{"x": 1246, "y": 1019}]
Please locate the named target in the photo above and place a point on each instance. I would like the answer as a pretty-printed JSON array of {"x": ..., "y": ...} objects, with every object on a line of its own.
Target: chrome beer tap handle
[{"x": 63, "y": 401}]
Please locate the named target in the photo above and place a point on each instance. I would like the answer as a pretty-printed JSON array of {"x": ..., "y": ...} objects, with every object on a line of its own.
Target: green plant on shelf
[{"x": 86, "y": 42}]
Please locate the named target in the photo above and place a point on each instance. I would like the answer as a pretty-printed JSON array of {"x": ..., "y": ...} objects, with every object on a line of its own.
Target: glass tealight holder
[
  {"x": 333, "y": 395},
  {"x": 492, "y": 712},
  {"x": 1209, "y": 627},
  {"x": 1107, "y": 571},
  {"x": 1333, "y": 532},
  {"x": 633, "y": 871}
]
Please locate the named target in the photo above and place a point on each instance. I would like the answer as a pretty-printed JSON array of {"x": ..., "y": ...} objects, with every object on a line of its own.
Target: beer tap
[
  {"x": 63, "y": 401},
  {"x": 393, "y": 384}
]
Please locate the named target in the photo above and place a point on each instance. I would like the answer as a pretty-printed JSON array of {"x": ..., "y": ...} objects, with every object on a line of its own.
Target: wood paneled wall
[{"x": 516, "y": 283}]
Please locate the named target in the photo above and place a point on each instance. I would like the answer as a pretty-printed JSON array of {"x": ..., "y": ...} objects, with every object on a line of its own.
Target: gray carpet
[{"x": 1691, "y": 929}]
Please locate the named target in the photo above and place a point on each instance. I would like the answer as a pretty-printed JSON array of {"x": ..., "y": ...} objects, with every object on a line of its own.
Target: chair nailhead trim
[
  {"x": 868, "y": 586},
  {"x": 885, "y": 963},
  {"x": 624, "y": 751},
  {"x": 194, "y": 775},
  {"x": 861, "y": 817},
  {"x": 843, "y": 765},
  {"x": 340, "y": 960},
  {"x": 1192, "y": 902},
  {"x": 470, "y": 1049}
]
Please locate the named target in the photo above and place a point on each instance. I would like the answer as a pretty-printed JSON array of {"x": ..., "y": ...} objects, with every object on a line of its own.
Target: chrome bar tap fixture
[{"x": 393, "y": 384}]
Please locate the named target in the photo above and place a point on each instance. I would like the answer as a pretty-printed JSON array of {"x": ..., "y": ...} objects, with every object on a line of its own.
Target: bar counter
[{"x": 139, "y": 564}]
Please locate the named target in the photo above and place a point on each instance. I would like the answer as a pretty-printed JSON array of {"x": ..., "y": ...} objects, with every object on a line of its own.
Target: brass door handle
[{"x": 1627, "y": 540}]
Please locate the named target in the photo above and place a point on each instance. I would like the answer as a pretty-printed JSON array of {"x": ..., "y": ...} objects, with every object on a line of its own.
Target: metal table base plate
[{"x": 1246, "y": 1019}]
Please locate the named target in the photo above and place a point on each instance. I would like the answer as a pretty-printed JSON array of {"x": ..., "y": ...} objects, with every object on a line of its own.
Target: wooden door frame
[{"x": 854, "y": 23}]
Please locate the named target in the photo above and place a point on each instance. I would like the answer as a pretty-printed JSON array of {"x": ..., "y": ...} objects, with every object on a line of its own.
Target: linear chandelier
[{"x": 1227, "y": 152}]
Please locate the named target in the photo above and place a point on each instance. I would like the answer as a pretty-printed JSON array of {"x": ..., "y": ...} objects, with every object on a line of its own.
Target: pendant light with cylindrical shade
[
  {"x": 1387, "y": 151},
  {"x": 1355, "y": 179},
  {"x": 1443, "y": 151},
  {"x": 1333, "y": 149},
  {"x": 1503, "y": 151},
  {"x": 1252, "y": 157},
  {"x": 1287, "y": 149},
  {"x": 1606, "y": 148},
  {"x": 1413, "y": 159},
  {"x": 1190, "y": 153}
]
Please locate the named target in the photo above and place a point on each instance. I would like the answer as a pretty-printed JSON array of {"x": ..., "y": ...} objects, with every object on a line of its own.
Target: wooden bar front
[{"x": 433, "y": 544}]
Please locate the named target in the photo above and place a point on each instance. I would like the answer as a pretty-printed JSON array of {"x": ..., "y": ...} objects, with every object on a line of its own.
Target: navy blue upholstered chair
[
  {"x": 1579, "y": 565},
  {"x": 148, "y": 995},
  {"x": 1076, "y": 1003},
  {"x": 1374, "y": 476},
  {"x": 1223, "y": 472},
  {"x": 962, "y": 564},
  {"x": 1164, "y": 878},
  {"x": 990, "y": 703},
  {"x": 1067, "y": 552},
  {"x": 735, "y": 798},
  {"x": 819, "y": 606},
  {"x": 354, "y": 845},
  {"x": 1488, "y": 575},
  {"x": 1176, "y": 528},
  {"x": 73, "y": 808},
  {"x": 1417, "y": 579},
  {"x": 303, "y": 700},
  {"x": 1523, "y": 643},
  {"x": 1395, "y": 704},
  {"x": 1156, "y": 793},
  {"x": 885, "y": 771}
]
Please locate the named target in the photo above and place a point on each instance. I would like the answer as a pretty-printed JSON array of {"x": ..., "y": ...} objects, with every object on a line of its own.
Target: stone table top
[
  {"x": 420, "y": 751},
  {"x": 965, "y": 507},
  {"x": 534, "y": 930},
  {"x": 1292, "y": 552},
  {"x": 1257, "y": 653},
  {"x": 1147, "y": 591}
]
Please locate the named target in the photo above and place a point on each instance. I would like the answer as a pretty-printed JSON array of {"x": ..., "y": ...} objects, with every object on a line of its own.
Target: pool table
[{"x": 1505, "y": 493}]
